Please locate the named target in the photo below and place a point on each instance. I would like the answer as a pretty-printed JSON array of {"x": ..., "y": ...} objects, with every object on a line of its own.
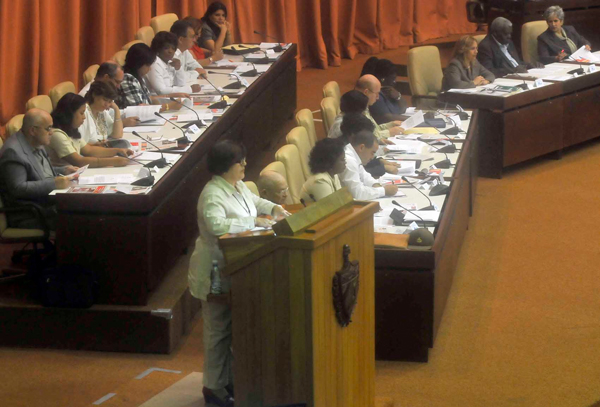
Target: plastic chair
[
  {"x": 145, "y": 34},
  {"x": 529, "y": 39},
  {"x": 14, "y": 124},
  {"x": 479, "y": 37},
  {"x": 298, "y": 137},
  {"x": 290, "y": 157},
  {"x": 328, "y": 113},
  {"x": 163, "y": 22},
  {"x": 252, "y": 187},
  {"x": 40, "y": 102},
  {"x": 130, "y": 43},
  {"x": 59, "y": 91},
  {"x": 425, "y": 75},
  {"x": 90, "y": 74},
  {"x": 305, "y": 119},
  {"x": 119, "y": 57}
]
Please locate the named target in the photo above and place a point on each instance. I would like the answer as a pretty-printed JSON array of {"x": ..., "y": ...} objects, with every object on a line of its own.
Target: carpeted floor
[{"x": 521, "y": 326}]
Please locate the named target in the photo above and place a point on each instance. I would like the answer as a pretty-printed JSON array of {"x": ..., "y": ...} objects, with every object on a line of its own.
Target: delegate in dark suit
[
  {"x": 26, "y": 176},
  {"x": 550, "y": 45},
  {"x": 493, "y": 59},
  {"x": 456, "y": 76}
]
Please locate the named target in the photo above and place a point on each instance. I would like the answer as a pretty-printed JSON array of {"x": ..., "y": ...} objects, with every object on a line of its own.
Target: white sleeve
[
  {"x": 109, "y": 116},
  {"x": 360, "y": 190},
  {"x": 190, "y": 62},
  {"x": 88, "y": 129},
  {"x": 160, "y": 81}
]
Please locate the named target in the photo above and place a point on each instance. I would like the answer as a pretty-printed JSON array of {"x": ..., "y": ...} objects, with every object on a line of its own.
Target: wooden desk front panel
[
  {"x": 581, "y": 122},
  {"x": 532, "y": 131}
]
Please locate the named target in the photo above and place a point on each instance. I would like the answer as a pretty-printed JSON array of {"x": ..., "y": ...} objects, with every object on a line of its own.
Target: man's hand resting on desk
[
  {"x": 279, "y": 213},
  {"x": 62, "y": 182},
  {"x": 390, "y": 190}
]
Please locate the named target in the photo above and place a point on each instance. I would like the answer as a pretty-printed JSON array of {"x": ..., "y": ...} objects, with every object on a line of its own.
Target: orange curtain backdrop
[{"x": 44, "y": 42}]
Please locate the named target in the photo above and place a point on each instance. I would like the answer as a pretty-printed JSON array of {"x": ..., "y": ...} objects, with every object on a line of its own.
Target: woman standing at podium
[{"x": 225, "y": 205}]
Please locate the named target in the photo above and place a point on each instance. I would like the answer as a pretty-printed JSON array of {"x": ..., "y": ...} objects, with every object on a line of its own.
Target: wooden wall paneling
[
  {"x": 579, "y": 126},
  {"x": 491, "y": 145}
]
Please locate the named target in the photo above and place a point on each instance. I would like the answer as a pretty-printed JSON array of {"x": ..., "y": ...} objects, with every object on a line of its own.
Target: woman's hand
[
  {"x": 175, "y": 63},
  {"x": 562, "y": 55},
  {"x": 279, "y": 212},
  {"x": 480, "y": 80},
  {"x": 588, "y": 47},
  {"x": 263, "y": 222}
]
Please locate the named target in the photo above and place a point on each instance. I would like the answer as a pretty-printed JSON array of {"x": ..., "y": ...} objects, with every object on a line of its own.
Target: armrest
[{"x": 32, "y": 209}]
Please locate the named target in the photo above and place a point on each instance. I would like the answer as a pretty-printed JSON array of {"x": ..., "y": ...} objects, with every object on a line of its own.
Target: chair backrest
[
  {"x": 305, "y": 119},
  {"x": 529, "y": 42},
  {"x": 130, "y": 43},
  {"x": 328, "y": 113},
  {"x": 119, "y": 57},
  {"x": 290, "y": 157},
  {"x": 90, "y": 74},
  {"x": 145, "y": 34},
  {"x": 163, "y": 22},
  {"x": 60, "y": 90},
  {"x": 252, "y": 187},
  {"x": 14, "y": 124},
  {"x": 479, "y": 37},
  {"x": 332, "y": 89},
  {"x": 41, "y": 102},
  {"x": 298, "y": 137},
  {"x": 425, "y": 71}
]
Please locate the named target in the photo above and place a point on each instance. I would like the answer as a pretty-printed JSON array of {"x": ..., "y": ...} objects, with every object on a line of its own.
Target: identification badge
[
  {"x": 194, "y": 129},
  {"x": 538, "y": 83},
  {"x": 593, "y": 68}
]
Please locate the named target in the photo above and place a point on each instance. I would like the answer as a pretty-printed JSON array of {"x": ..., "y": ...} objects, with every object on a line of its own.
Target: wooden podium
[{"x": 288, "y": 345}]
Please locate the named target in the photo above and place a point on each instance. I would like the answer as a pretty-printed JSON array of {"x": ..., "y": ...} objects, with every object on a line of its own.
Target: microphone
[
  {"x": 251, "y": 73},
  {"x": 523, "y": 85},
  {"x": 234, "y": 85},
  {"x": 276, "y": 48},
  {"x": 221, "y": 104},
  {"x": 312, "y": 197},
  {"x": 184, "y": 139},
  {"x": 417, "y": 235},
  {"x": 444, "y": 164},
  {"x": 198, "y": 122},
  {"x": 427, "y": 208},
  {"x": 160, "y": 163},
  {"x": 262, "y": 61}
]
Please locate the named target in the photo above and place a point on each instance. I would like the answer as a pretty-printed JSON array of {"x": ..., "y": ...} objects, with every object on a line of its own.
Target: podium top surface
[{"x": 317, "y": 235}]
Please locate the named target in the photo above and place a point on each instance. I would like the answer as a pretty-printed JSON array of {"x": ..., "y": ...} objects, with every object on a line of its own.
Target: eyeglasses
[
  {"x": 283, "y": 191},
  {"x": 242, "y": 163},
  {"x": 49, "y": 128}
]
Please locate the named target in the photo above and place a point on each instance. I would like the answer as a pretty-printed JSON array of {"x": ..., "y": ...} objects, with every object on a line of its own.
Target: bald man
[
  {"x": 273, "y": 187},
  {"x": 26, "y": 175},
  {"x": 370, "y": 86}
]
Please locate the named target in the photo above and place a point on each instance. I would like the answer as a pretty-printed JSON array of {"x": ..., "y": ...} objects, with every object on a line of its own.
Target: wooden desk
[
  {"x": 132, "y": 241},
  {"x": 530, "y": 124},
  {"x": 412, "y": 286}
]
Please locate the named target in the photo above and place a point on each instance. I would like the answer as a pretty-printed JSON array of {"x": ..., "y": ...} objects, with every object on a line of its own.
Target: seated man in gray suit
[
  {"x": 497, "y": 52},
  {"x": 26, "y": 175}
]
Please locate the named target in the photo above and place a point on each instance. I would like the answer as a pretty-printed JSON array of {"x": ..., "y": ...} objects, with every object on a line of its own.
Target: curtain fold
[{"x": 44, "y": 42}]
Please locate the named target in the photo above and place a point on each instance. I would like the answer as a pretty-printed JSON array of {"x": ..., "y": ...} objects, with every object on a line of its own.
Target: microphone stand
[
  {"x": 197, "y": 122},
  {"x": 251, "y": 73},
  {"x": 234, "y": 85},
  {"x": 182, "y": 140},
  {"x": 161, "y": 162},
  {"x": 418, "y": 231},
  {"x": 276, "y": 48},
  {"x": 222, "y": 104},
  {"x": 427, "y": 208}
]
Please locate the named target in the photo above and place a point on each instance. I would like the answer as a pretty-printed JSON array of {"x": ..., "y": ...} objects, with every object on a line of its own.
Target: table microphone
[
  {"x": 276, "y": 48},
  {"x": 161, "y": 162},
  {"x": 234, "y": 85},
  {"x": 427, "y": 208},
  {"x": 198, "y": 122},
  {"x": 444, "y": 164},
  {"x": 184, "y": 139},
  {"x": 263, "y": 61},
  {"x": 252, "y": 72},
  {"x": 222, "y": 104},
  {"x": 523, "y": 85}
]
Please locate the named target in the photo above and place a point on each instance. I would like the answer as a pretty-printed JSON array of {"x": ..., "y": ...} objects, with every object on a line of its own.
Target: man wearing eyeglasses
[
  {"x": 26, "y": 175},
  {"x": 273, "y": 187}
]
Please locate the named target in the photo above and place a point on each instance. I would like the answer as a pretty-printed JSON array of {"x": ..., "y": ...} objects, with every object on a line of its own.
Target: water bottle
[{"x": 215, "y": 278}]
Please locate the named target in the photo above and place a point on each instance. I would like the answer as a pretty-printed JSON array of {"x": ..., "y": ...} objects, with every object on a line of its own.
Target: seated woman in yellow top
[
  {"x": 327, "y": 160},
  {"x": 67, "y": 147}
]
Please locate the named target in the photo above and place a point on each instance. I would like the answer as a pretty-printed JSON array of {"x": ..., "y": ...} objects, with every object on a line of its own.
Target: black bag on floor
[{"x": 68, "y": 286}]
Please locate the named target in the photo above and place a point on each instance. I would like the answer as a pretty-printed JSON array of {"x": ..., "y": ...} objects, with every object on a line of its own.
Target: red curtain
[{"x": 44, "y": 42}]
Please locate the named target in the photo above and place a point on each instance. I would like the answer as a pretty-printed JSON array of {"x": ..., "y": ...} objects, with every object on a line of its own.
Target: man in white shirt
[
  {"x": 167, "y": 74},
  {"x": 185, "y": 40},
  {"x": 363, "y": 187}
]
